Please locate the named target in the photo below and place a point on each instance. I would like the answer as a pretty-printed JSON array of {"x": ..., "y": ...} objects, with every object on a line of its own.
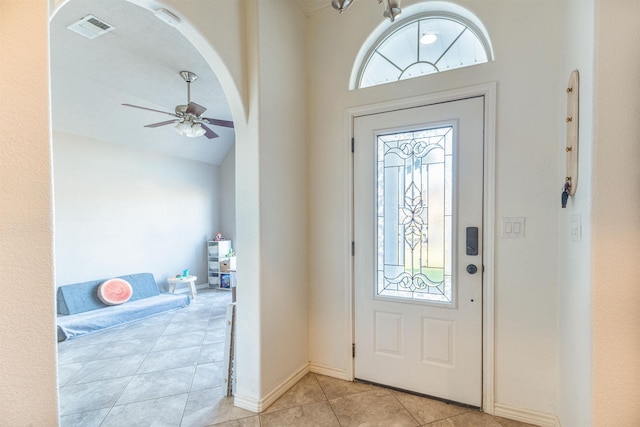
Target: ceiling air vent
[{"x": 90, "y": 27}]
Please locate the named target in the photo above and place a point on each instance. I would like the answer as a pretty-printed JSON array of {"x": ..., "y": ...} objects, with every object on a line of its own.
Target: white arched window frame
[{"x": 395, "y": 53}]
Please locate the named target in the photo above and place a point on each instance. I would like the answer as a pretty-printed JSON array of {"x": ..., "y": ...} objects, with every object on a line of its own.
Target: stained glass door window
[{"x": 414, "y": 214}]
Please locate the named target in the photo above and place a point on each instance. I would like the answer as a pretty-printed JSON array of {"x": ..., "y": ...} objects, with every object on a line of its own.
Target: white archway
[{"x": 228, "y": 61}]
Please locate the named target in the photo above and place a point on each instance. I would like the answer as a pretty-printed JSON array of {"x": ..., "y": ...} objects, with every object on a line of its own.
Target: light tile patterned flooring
[{"x": 167, "y": 371}]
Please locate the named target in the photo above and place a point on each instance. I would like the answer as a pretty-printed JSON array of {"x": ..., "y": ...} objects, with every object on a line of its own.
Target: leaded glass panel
[{"x": 414, "y": 214}]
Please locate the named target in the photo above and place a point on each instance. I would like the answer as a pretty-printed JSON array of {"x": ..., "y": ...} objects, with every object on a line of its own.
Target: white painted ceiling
[{"x": 137, "y": 63}]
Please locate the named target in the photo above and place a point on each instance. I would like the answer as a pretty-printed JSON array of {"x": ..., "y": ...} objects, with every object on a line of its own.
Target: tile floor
[{"x": 167, "y": 371}]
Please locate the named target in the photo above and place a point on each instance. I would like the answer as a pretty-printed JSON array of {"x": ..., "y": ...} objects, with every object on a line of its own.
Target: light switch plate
[
  {"x": 513, "y": 227},
  {"x": 575, "y": 227}
]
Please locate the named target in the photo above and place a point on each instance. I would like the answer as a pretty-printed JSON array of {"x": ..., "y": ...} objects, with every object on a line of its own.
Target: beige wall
[
  {"x": 530, "y": 101},
  {"x": 531, "y": 74},
  {"x": 574, "y": 257},
  {"x": 273, "y": 210},
  {"x": 615, "y": 226},
  {"x": 283, "y": 191},
  {"x": 28, "y": 351}
]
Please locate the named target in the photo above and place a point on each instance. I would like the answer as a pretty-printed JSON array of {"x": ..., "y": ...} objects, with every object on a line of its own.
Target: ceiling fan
[{"x": 189, "y": 117}]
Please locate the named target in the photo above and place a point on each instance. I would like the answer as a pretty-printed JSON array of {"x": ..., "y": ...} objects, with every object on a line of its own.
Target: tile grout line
[
  {"x": 315, "y": 377},
  {"x": 405, "y": 408},
  {"x": 329, "y": 401},
  {"x": 204, "y": 336},
  {"x": 201, "y": 314}
]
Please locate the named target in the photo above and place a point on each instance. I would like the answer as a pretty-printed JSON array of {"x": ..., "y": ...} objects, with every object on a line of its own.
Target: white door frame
[{"x": 487, "y": 90}]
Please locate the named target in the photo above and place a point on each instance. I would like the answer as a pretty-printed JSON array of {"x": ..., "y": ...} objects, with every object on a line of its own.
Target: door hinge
[
  {"x": 353, "y": 351},
  {"x": 353, "y": 143},
  {"x": 353, "y": 248}
]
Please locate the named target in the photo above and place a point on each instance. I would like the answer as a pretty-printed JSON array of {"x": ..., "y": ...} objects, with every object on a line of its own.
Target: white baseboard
[
  {"x": 526, "y": 416},
  {"x": 244, "y": 402},
  {"x": 328, "y": 371},
  {"x": 260, "y": 405}
]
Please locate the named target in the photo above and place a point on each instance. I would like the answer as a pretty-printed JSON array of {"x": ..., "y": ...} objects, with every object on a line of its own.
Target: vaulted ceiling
[{"x": 136, "y": 63}]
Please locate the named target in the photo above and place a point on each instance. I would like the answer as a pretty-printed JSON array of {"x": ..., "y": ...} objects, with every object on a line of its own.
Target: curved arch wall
[
  {"x": 263, "y": 78},
  {"x": 262, "y": 46},
  {"x": 266, "y": 78},
  {"x": 27, "y": 314},
  {"x": 28, "y": 351}
]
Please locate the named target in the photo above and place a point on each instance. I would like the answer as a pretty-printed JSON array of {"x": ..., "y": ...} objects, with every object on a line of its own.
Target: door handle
[{"x": 472, "y": 269}]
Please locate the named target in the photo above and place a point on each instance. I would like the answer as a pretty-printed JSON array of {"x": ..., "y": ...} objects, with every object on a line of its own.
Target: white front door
[{"x": 418, "y": 196}]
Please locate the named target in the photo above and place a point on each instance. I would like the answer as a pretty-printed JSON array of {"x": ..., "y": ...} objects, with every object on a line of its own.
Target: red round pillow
[{"x": 114, "y": 291}]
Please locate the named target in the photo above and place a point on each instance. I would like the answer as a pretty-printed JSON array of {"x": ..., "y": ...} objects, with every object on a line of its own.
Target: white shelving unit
[{"x": 217, "y": 252}]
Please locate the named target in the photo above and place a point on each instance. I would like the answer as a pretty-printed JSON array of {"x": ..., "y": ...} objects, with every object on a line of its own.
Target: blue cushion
[
  {"x": 74, "y": 326},
  {"x": 82, "y": 297},
  {"x": 143, "y": 284}
]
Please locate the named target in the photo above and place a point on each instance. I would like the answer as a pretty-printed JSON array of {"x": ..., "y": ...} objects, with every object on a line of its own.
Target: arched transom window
[{"x": 425, "y": 45}]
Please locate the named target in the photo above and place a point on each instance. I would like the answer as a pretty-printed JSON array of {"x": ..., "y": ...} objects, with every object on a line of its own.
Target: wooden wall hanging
[{"x": 571, "y": 150}]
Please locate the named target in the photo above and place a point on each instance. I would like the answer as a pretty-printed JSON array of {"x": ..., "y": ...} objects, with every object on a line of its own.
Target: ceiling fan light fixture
[
  {"x": 341, "y": 5},
  {"x": 183, "y": 127},
  {"x": 190, "y": 129},
  {"x": 196, "y": 130},
  {"x": 189, "y": 118},
  {"x": 392, "y": 10}
]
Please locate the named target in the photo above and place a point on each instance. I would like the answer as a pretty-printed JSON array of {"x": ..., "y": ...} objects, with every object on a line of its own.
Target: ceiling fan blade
[
  {"x": 155, "y": 125},
  {"x": 208, "y": 132},
  {"x": 218, "y": 122},
  {"x": 149, "y": 109},
  {"x": 195, "y": 109}
]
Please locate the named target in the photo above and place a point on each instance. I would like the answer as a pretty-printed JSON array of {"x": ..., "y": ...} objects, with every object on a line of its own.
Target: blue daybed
[{"x": 81, "y": 312}]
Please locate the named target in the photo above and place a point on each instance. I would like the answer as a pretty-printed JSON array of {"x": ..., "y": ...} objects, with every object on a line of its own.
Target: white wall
[
  {"x": 228, "y": 196},
  {"x": 530, "y": 78},
  {"x": 260, "y": 46},
  {"x": 574, "y": 257},
  {"x": 531, "y": 95},
  {"x": 615, "y": 226},
  {"x": 120, "y": 210},
  {"x": 229, "y": 42},
  {"x": 28, "y": 351},
  {"x": 283, "y": 191}
]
